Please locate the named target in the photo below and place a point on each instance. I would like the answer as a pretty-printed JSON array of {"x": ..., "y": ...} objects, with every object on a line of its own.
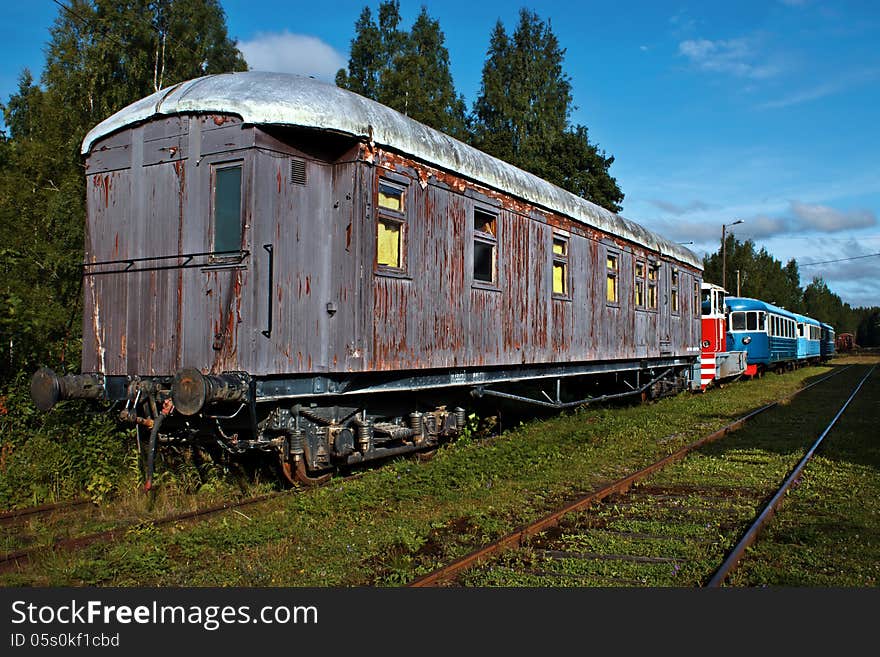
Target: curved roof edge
[
  {"x": 286, "y": 99},
  {"x": 748, "y": 303}
]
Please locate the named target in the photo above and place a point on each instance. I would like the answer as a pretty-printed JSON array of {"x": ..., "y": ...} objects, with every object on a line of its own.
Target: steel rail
[
  {"x": 515, "y": 538},
  {"x": 10, "y": 560},
  {"x": 735, "y": 556},
  {"x": 20, "y": 515}
]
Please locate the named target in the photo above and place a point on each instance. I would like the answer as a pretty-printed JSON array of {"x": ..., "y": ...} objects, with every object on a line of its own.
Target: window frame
[
  {"x": 612, "y": 274},
  {"x": 639, "y": 288},
  {"x": 486, "y": 239},
  {"x": 652, "y": 288},
  {"x": 226, "y": 255},
  {"x": 392, "y": 217},
  {"x": 560, "y": 260},
  {"x": 674, "y": 296}
]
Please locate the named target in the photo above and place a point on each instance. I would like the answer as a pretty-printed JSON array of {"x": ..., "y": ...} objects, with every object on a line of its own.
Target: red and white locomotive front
[{"x": 716, "y": 363}]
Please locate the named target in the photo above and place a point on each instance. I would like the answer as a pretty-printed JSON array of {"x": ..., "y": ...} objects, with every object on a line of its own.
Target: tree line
[
  {"x": 522, "y": 114},
  {"x": 763, "y": 277}
]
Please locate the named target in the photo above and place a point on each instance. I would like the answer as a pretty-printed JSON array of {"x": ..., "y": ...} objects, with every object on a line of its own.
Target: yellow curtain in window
[
  {"x": 388, "y": 244},
  {"x": 559, "y": 278}
]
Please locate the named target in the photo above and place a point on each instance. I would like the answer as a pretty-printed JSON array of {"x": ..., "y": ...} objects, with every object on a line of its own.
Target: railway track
[
  {"x": 750, "y": 536},
  {"x": 13, "y": 559},
  {"x": 21, "y": 516},
  {"x": 649, "y": 528}
]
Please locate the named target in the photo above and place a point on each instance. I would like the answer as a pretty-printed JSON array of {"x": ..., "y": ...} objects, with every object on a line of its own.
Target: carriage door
[
  {"x": 664, "y": 311},
  {"x": 213, "y": 308}
]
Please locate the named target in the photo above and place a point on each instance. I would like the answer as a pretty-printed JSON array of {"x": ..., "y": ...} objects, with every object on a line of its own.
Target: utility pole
[{"x": 724, "y": 252}]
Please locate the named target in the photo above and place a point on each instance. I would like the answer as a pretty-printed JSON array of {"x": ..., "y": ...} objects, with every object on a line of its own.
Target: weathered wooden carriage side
[
  {"x": 433, "y": 314},
  {"x": 151, "y": 305}
]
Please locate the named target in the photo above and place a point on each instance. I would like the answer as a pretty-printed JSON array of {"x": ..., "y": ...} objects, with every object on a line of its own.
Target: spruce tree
[
  {"x": 407, "y": 71},
  {"x": 522, "y": 113}
]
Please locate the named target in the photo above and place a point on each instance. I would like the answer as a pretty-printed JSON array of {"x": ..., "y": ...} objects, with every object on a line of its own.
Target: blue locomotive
[{"x": 767, "y": 333}]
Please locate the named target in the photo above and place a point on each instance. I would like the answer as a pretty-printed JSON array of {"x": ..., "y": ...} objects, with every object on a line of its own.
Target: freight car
[
  {"x": 277, "y": 264},
  {"x": 846, "y": 342}
]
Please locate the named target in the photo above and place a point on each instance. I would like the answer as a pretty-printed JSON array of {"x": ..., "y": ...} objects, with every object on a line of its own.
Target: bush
[{"x": 75, "y": 450}]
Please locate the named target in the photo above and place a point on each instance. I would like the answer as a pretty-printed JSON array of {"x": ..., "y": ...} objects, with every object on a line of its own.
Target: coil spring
[
  {"x": 295, "y": 441},
  {"x": 363, "y": 435},
  {"x": 460, "y": 417}
]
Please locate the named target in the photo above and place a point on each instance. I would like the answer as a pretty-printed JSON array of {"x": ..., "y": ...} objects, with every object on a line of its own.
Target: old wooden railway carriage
[{"x": 276, "y": 263}]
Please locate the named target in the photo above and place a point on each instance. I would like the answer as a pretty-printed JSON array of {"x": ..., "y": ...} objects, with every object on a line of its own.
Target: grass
[
  {"x": 692, "y": 533},
  {"x": 395, "y": 523},
  {"x": 827, "y": 532}
]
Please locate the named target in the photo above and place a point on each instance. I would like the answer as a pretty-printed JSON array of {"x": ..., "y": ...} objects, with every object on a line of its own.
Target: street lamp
[{"x": 724, "y": 252}]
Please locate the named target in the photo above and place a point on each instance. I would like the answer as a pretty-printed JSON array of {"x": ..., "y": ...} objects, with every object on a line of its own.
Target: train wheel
[
  {"x": 427, "y": 455},
  {"x": 299, "y": 475}
]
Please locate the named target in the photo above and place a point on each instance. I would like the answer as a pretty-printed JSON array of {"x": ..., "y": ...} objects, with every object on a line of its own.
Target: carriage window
[
  {"x": 560, "y": 266},
  {"x": 673, "y": 291},
  {"x": 390, "y": 197},
  {"x": 752, "y": 321},
  {"x": 652, "y": 286},
  {"x": 388, "y": 244},
  {"x": 485, "y": 246},
  {"x": 737, "y": 321},
  {"x": 390, "y": 227},
  {"x": 639, "y": 284},
  {"x": 227, "y": 208},
  {"x": 761, "y": 316},
  {"x": 611, "y": 278}
]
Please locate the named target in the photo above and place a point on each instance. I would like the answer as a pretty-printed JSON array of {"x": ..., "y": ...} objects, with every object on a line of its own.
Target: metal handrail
[{"x": 229, "y": 258}]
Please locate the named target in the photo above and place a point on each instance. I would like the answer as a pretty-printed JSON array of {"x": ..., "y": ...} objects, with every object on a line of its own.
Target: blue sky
[{"x": 765, "y": 111}]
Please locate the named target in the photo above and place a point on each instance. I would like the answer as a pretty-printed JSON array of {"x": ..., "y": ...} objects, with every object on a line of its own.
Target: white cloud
[
  {"x": 762, "y": 227},
  {"x": 286, "y": 52},
  {"x": 828, "y": 220},
  {"x": 737, "y": 57},
  {"x": 840, "y": 84},
  {"x": 678, "y": 210}
]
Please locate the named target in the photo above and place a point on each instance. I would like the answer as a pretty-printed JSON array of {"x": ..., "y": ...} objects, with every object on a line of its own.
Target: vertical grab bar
[{"x": 269, "y": 250}]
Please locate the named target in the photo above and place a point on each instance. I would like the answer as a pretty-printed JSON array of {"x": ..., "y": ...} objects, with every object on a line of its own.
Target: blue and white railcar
[
  {"x": 827, "y": 348},
  {"x": 809, "y": 339},
  {"x": 767, "y": 333}
]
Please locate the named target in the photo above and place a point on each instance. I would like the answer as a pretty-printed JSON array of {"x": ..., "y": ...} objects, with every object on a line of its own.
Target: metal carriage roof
[
  {"x": 746, "y": 303},
  {"x": 286, "y": 99}
]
